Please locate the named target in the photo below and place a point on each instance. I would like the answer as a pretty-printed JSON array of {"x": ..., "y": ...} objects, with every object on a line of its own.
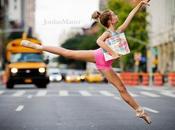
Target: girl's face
[{"x": 114, "y": 19}]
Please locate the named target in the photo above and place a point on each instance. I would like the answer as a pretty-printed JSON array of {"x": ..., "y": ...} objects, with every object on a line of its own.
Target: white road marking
[
  {"x": 29, "y": 96},
  {"x": 84, "y": 93},
  {"x": 149, "y": 94},
  {"x": 151, "y": 110},
  {"x": 1, "y": 92},
  {"x": 106, "y": 93},
  {"x": 19, "y": 93},
  {"x": 41, "y": 93},
  {"x": 118, "y": 98},
  {"x": 146, "y": 88},
  {"x": 134, "y": 95},
  {"x": 63, "y": 93},
  {"x": 20, "y": 107},
  {"x": 168, "y": 93}
]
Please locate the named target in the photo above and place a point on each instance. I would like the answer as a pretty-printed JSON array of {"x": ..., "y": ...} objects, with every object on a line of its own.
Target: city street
[{"x": 83, "y": 106}]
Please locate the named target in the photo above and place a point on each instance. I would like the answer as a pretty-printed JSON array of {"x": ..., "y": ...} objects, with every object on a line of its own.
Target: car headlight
[
  {"x": 59, "y": 77},
  {"x": 14, "y": 70},
  {"x": 68, "y": 78},
  {"x": 78, "y": 78},
  {"x": 51, "y": 78},
  {"x": 42, "y": 70}
]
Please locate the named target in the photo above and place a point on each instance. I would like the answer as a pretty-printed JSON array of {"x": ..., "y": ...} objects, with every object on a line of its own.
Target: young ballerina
[{"x": 108, "y": 19}]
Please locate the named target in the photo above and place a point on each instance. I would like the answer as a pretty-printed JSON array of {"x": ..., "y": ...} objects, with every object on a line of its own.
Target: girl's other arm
[
  {"x": 123, "y": 27},
  {"x": 101, "y": 42}
]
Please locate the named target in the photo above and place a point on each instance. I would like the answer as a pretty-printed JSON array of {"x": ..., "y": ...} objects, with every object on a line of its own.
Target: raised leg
[{"x": 83, "y": 55}]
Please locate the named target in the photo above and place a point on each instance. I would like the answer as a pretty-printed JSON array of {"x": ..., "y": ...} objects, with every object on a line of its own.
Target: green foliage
[
  {"x": 136, "y": 30},
  {"x": 79, "y": 42}
]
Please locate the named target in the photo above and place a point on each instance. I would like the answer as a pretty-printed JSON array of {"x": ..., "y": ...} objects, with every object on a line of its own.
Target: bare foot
[{"x": 30, "y": 44}]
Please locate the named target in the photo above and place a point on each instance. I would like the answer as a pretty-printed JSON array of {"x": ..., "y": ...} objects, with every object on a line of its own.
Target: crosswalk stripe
[
  {"x": 149, "y": 94},
  {"x": 151, "y": 110},
  {"x": 19, "y": 93},
  {"x": 84, "y": 93},
  {"x": 118, "y": 98},
  {"x": 20, "y": 107},
  {"x": 63, "y": 93},
  {"x": 1, "y": 92},
  {"x": 134, "y": 95},
  {"x": 168, "y": 93},
  {"x": 146, "y": 88},
  {"x": 29, "y": 96},
  {"x": 41, "y": 93},
  {"x": 106, "y": 93}
]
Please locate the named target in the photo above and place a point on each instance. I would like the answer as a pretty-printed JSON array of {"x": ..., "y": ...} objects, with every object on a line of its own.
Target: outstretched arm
[{"x": 123, "y": 27}]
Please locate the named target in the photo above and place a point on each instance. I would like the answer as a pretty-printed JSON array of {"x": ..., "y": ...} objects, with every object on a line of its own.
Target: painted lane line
[
  {"x": 41, "y": 93},
  {"x": 106, "y": 93},
  {"x": 168, "y": 93},
  {"x": 146, "y": 88},
  {"x": 63, "y": 93},
  {"x": 118, "y": 98},
  {"x": 151, "y": 110},
  {"x": 20, "y": 107},
  {"x": 29, "y": 96},
  {"x": 134, "y": 95},
  {"x": 1, "y": 92},
  {"x": 19, "y": 93},
  {"x": 149, "y": 94},
  {"x": 84, "y": 93}
]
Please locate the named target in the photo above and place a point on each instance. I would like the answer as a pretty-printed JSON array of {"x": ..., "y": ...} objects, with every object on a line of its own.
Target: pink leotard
[{"x": 101, "y": 64}]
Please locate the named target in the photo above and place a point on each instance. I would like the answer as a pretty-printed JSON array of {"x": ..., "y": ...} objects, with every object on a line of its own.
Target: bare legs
[
  {"x": 113, "y": 78},
  {"x": 83, "y": 55}
]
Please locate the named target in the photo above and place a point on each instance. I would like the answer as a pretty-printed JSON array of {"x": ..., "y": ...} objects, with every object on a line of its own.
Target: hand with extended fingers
[{"x": 145, "y": 2}]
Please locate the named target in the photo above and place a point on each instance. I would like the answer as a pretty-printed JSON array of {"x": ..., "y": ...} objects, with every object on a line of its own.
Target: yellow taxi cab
[
  {"x": 24, "y": 65},
  {"x": 72, "y": 76},
  {"x": 94, "y": 76}
]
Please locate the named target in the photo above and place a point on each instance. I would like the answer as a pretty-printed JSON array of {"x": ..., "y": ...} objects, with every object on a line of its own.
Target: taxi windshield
[{"x": 26, "y": 57}]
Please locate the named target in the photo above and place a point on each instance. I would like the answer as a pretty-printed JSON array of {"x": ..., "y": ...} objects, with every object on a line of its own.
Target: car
[
  {"x": 94, "y": 76},
  {"x": 54, "y": 75},
  {"x": 72, "y": 76}
]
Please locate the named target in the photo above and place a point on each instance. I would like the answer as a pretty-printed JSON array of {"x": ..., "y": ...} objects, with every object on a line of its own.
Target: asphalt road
[{"x": 83, "y": 106}]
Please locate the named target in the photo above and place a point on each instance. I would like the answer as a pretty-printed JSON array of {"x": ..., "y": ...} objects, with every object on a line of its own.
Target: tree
[
  {"x": 136, "y": 30},
  {"x": 79, "y": 42}
]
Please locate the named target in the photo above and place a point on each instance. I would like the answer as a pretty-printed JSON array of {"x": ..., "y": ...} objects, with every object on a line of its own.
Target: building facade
[
  {"x": 161, "y": 29},
  {"x": 29, "y": 7},
  {"x": 22, "y": 12}
]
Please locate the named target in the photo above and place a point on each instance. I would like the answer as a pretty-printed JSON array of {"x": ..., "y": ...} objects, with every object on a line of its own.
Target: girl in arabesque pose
[{"x": 108, "y": 19}]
